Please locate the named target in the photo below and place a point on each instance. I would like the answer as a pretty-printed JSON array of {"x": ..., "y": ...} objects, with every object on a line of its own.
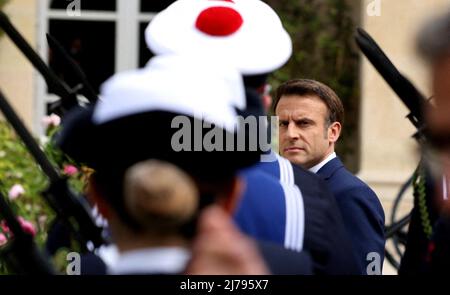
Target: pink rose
[
  {"x": 70, "y": 170},
  {"x": 15, "y": 191},
  {"x": 27, "y": 226},
  {"x": 3, "y": 239},
  {"x": 51, "y": 121}
]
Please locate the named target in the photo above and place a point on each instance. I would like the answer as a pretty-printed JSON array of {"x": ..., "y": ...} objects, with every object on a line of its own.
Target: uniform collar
[{"x": 170, "y": 260}]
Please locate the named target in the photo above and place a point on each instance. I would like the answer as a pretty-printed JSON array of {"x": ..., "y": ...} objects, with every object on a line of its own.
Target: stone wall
[{"x": 17, "y": 77}]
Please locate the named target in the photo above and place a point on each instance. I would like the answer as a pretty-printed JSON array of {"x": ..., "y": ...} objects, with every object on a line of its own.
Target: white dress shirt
[{"x": 164, "y": 260}]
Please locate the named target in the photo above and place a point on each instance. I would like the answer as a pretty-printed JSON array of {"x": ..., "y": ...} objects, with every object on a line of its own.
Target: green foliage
[
  {"x": 2, "y": 3},
  {"x": 322, "y": 34},
  {"x": 17, "y": 167}
]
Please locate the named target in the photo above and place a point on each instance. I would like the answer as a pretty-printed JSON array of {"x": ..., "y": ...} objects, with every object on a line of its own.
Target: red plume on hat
[{"x": 219, "y": 21}]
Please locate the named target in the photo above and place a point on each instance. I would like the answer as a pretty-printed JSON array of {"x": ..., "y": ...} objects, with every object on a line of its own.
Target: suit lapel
[{"x": 330, "y": 168}]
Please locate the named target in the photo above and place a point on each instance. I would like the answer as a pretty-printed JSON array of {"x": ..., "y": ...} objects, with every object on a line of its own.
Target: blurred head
[
  {"x": 161, "y": 202},
  {"x": 160, "y": 196},
  {"x": 434, "y": 46},
  {"x": 311, "y": 116},
  {"x": 139, "y": 118}
]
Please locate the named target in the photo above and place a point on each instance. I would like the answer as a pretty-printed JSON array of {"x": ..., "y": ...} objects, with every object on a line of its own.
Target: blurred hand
[{"x": 221, "y": 249}]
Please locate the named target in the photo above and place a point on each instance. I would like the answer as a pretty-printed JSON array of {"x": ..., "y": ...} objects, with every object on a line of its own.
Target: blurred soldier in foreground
[
  {"x": 152, "y": 206},
  {"x": 434, "y": 44}
]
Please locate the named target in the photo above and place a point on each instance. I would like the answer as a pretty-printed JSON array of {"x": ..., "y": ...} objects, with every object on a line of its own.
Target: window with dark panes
[
  {"x": 89, "y": 39},
  {"x": 154, "y": 6},
  {"x": 90, "y": 43},
  {"x": 104, "y": 37},
  {"x": 144, "y": 52}
]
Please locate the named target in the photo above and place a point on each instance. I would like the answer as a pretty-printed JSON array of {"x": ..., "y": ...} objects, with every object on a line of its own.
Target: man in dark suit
[
  {"x": 281, "y": 203},
  {"x": 310, "y": 120}
]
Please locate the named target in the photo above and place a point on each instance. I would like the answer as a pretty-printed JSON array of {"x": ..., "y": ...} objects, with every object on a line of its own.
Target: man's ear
[
  {"x": 334, "y": 131},
  {"x": 95, "y": 197},
  {"x": 230, "y": 202}
]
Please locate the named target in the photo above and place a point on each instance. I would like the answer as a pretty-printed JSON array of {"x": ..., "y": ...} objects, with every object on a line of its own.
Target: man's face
[{"x": 304, "y": 137}]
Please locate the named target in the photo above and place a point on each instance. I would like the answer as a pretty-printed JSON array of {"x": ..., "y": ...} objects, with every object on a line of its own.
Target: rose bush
[{"x": 22, "y": 182}]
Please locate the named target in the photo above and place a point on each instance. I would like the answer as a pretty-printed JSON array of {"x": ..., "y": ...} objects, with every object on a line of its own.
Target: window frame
[{"x": 127, "y": 18}]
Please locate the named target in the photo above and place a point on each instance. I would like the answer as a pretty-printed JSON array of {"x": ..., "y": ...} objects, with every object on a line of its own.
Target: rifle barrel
[{"x": 404, "y": 89}]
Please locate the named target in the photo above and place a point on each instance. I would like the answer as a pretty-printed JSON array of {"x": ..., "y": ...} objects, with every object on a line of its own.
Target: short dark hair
[
  {"x": 304, "y": 87},
  {"x": 433, "y": 41}
]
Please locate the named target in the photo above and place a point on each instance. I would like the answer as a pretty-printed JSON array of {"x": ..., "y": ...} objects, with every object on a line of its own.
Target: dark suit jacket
[
  {"x": 281, "y": 261},
  {"x": 325, "y": 236},
  {"x": 361, "y": 210}
]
